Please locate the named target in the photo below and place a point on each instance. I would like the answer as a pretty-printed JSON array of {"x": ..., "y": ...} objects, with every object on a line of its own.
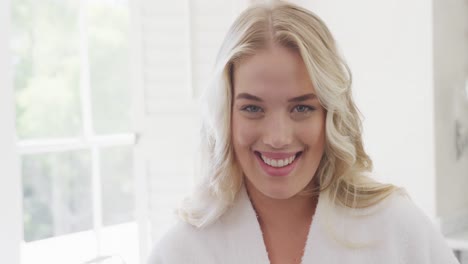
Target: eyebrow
[
  {"x": 301, "y": 98},
  {"x": 304, "y": 97}
]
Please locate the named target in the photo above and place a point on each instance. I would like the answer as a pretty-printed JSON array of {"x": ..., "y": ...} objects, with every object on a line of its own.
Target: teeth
[{"x": 278, "y": 163}]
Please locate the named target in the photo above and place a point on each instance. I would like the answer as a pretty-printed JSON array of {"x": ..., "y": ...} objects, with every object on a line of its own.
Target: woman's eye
[
  {"x": 252, "y": 109},
  {"x": 303, "y": 108}
]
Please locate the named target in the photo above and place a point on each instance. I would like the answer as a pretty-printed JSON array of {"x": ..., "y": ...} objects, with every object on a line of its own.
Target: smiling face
[{"x": 278, "y": 123}]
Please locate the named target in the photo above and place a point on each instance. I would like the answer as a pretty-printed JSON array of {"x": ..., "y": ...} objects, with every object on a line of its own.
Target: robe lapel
[
  {"x": 312, "y": 248},
  {"x": 243, "y": 231}
]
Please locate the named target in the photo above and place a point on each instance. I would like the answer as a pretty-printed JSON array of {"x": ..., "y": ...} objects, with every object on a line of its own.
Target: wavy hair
[{"x": 344, "y": 166}]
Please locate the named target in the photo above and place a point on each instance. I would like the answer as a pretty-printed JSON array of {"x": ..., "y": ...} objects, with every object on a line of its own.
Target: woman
[{"x": 285, "y": 171}]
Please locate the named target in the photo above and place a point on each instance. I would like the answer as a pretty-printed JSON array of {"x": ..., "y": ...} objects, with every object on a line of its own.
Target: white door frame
[{"x": 11, "y": 222}]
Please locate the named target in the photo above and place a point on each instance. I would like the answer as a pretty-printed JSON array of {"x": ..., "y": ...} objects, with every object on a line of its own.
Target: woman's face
[{"x": 278, "y": 123}]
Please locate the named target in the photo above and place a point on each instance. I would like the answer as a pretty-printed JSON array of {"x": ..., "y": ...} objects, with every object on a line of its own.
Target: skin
[{"x": 271, "y": 123}]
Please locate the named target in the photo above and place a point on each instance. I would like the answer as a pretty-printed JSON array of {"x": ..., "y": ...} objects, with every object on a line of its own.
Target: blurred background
[{"x": 99, "y": 114}]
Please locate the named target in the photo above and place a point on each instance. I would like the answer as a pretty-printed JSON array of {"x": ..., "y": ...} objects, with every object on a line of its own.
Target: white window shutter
[
  {"x": 210, "y": 21},
  {"x": 166, "y": 55},
  {"x": 175, "y": 47}
]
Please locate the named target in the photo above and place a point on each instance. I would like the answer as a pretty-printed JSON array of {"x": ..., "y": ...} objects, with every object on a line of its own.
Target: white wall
[
  {"x": 450, "y": 72},
  {"x": 410, "y": 61},
  {"x": 10, "y": 193},
  {"x": 388, "y": 45}
]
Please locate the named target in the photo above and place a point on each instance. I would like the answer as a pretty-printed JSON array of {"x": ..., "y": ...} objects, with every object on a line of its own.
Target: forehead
[{"x": 274, "y": 69}]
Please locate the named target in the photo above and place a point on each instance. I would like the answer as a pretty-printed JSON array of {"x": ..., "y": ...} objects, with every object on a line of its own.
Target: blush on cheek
[
  {"x": 314, "y": 133},
  {"x": 246, "y": 136},
  {"x": 243, "y": 133}
]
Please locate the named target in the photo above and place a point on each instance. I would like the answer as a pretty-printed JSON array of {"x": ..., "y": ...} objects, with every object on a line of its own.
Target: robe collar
[{"x": 246, "y": 236}]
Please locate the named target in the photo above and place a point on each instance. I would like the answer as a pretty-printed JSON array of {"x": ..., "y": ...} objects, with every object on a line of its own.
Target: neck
[{"x": 278, "y": 213}]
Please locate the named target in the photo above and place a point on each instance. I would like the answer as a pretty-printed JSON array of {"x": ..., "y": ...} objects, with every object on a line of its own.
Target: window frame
[
  {"x": 88, "y": 140},
  {"x": 11, "y": 226}
]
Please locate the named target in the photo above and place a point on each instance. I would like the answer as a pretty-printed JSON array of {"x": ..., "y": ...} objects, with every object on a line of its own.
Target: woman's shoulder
[
  {"x": 399, "y": 206},
  {"x": 404, "y": 214},
  {"x": 417, "y": 232},
  {"x": 186, "y": 243},
  {"x": 396, "y": 218},
  {"x": 181, "y": 243},
  {"x": 403, "y": 223},
  {"x": 169, "y": 242},
  {"x": 396, "y": 213}
]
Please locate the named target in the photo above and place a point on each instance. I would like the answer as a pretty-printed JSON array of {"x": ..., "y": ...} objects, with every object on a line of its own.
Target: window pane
[
  {"x": 108, "y": 37},
  {"x": 117, "y": 185},
  {"x": 45, "y": 46},
  {"x": 56, "y": 194}
]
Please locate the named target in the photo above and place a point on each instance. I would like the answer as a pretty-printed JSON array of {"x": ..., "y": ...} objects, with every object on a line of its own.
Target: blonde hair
[{"x": 344, "y": 164}]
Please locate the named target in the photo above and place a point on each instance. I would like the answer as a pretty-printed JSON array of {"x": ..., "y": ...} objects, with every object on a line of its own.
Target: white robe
[{"x": 400, "y": 231}]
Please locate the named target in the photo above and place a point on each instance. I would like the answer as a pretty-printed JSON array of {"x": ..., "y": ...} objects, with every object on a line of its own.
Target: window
[{"x": 72, "y": 93}]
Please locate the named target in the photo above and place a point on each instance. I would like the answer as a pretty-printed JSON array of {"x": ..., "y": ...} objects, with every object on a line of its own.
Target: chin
[{"x": 279, "y": 192}]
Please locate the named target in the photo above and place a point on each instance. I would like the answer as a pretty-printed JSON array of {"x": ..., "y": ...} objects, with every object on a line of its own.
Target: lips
[{"x": 277, "y": 164}]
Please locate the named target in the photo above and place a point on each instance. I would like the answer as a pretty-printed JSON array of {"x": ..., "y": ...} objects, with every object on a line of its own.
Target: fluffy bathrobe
[{"x": 395, "y": 231}]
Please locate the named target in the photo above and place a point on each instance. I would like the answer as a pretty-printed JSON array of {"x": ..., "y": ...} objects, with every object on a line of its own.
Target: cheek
[
  {"x": 243, "y": 132},
  {"x": 313, "y": 135}
]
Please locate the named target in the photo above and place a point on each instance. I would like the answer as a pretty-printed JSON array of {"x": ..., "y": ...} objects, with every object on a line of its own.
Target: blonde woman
[{"x": 285, "y": 176}]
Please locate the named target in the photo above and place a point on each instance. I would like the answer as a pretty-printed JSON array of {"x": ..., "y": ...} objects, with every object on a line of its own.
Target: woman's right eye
[{"x": 252, "y": 109}]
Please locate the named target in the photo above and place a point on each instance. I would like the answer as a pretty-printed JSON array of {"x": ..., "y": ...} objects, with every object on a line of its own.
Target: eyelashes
[
  {"x": 296, "y": 110},
  {"x": 303, "y": 108},
  {"x": 252, "y": 109}
]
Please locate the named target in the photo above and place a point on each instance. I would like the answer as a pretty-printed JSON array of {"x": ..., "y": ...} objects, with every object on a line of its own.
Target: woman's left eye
[{"x": 303, "y": 108}]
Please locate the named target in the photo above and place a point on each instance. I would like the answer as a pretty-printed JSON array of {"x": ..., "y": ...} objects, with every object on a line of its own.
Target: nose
[{"x": 278, "y": 132}]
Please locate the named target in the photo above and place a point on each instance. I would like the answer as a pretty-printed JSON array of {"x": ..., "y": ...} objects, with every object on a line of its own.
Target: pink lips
[{"x": 274, "y": 171}]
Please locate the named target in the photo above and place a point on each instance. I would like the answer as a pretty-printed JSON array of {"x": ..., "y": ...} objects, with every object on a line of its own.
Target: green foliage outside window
[{"x": 47, "y": 47}]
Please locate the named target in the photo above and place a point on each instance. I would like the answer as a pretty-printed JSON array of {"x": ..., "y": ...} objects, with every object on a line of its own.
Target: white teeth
[{"x": 278, "y": 163}]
